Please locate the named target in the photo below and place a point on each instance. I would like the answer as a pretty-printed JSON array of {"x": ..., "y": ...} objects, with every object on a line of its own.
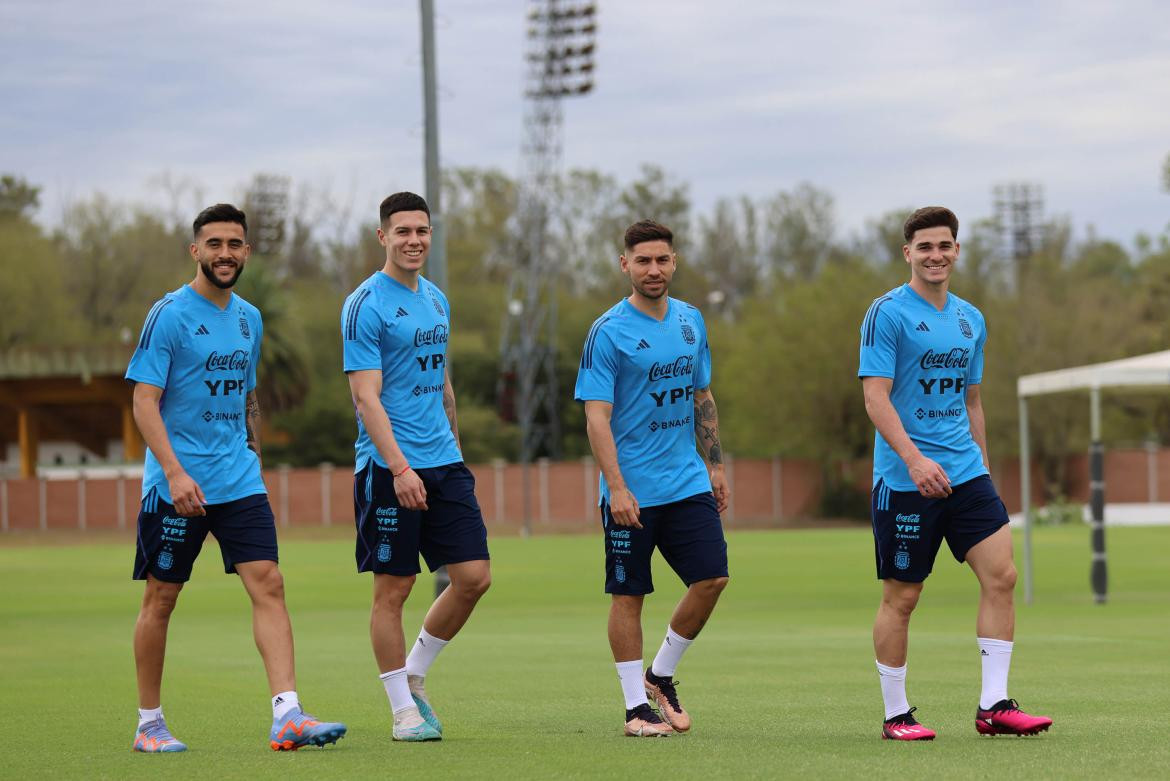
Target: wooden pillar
[
  {"x": 29, "y": 438},
  {"x": 133, "y": 449}
]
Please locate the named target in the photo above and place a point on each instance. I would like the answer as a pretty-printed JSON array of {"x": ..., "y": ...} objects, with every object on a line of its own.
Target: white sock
[
  {"x": 633, "y": 687},
  {"x": 893, "y": 689},
  {"x": 673, "y": 647},
  {"x": 997, "y": 660},
  {"x": 283, "y": 703},
  {"x": 422, "y": 656},
  {"x": 147, "y": 715},
  {"x": 397, "y": 690}
]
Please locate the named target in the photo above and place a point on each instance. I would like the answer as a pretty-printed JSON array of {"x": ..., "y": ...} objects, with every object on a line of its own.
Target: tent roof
[{"x": 1152, "y": 369}]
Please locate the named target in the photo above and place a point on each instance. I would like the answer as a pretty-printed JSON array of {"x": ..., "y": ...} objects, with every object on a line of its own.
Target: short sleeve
[
  {"x": 597, "y": 375},
  {"x": 703, "y": 359},
  {"x": 879, "y": 343},
  {"x": 975, "y": 372},
  {"x": 258, "y": 336},
  {"x": 151, "y": 362},
  {"x": 361, "y": 332}
]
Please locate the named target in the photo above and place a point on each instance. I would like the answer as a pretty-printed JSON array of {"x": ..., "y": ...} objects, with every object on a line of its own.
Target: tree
[
  {"x": 18, "y": 198},
  {"x": 283, "y": 374},
  {"x": 799, "y": 228},
  {"x": 726, "y": 256},
  {"x": 34, "y": 315},
  {"x": 117, "y": 260}
]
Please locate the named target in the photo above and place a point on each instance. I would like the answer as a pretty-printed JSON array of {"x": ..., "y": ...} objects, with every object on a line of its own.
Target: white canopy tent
[{"x": 1149, "y": 371}]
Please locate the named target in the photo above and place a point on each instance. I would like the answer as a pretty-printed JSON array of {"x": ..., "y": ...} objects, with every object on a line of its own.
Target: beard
[
  {"x": 209, "y": 273},
  {"x": 653, "y": 296}
]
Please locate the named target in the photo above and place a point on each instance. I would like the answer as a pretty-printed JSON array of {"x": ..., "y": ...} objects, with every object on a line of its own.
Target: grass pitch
[{"x": 781, "y": 684}]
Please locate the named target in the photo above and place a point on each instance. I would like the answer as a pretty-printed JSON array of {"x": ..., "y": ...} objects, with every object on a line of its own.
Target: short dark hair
[
  {"x": 402, "y": 202},
  {"x": 931, "y": 217},
  {"x": 648, "y": 230},
  {"x": 220, "y": 212}
]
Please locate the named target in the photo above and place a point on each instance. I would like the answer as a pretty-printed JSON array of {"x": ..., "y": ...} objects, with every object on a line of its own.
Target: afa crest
[
  {"x": 384, "y": 552},
  {"x": 619, "y": 573},
  {"x": 688, "y": 333},
  {"x": 244, "y": 331},
  {"x": 965, "y": 328},
  {"x": 438, "y": 306},
  {"x": 902, "y": 559},
  {"x": 165, "y": 560}
]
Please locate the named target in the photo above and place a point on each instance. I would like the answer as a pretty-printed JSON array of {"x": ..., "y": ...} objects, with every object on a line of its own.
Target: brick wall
[{"x": 561, "y": 496}]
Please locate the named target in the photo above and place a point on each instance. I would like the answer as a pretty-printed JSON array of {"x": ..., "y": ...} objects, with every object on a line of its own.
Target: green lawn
[{"x": 781, "y": 683}]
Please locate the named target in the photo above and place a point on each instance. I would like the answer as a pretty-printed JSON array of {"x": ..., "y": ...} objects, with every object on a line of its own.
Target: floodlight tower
[
  {"x": 1019, "y": 212},
  {"x": 561, "y": 44}
]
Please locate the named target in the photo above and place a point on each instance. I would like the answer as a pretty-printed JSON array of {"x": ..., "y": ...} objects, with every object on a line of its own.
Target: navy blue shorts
[
  {"x": 908, "y": 528},
  {"x": 168, "y": 543},
  {"x": 390, "y": 538},
  {"x": 688, "y": 532}
]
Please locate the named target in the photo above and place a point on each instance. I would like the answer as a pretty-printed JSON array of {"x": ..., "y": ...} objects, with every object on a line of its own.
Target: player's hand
[
  {"x": 623, "y": 508},
  {"x": 411, "y": 492},
  {"x": 719, "y": 488},
  {"x": 186, "y": 495},
  {"x": 929, "y": 478}
]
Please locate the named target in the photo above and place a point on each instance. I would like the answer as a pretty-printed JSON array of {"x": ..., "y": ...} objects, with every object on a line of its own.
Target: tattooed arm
[
  {"x": 449, "y": 405},
  {"x": 707, "y": 431},
  {"x": 252, "y": 422}
]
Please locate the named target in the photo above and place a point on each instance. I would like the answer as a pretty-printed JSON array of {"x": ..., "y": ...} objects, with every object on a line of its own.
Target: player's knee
[
  {"x": 902, "y": 601},
  {"x": 161, "y": 598},
  {"x": 712, "y": 587},
  {"x": 271, "y": 584},
  {"x": 1004, "y": 581},
  {"x": 390, "y": 592},
  {"x": 473, "y": 586}
]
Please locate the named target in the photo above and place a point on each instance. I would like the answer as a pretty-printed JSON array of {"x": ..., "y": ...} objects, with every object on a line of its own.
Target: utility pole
[{"x": 437, "y": 257}]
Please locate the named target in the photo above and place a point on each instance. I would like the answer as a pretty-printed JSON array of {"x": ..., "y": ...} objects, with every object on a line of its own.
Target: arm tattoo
[
  {"x": 252, "y": 422},
  {"x": 707, "y": 428}
]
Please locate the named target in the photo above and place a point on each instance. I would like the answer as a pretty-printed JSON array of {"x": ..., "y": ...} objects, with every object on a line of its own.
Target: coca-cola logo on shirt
[
  {"x": 956, "y": 358},
  {"x": 681, "y": 366},
  {"x": 436, "y": 335},
  {"x": 235, "y": 361}
]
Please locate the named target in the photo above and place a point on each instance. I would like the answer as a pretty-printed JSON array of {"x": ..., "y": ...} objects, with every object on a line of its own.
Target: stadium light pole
[
  {"x": 437, "y": 257},
  {"x": 560, "y": 64}
]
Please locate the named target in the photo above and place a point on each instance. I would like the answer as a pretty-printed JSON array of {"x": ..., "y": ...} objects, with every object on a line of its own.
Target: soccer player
[
  {"x": 921, "y": 369},
  {"x": 412, "y": 492},
  {"x": 194, "y": 375},
  {"x": 645, "y": 379}
]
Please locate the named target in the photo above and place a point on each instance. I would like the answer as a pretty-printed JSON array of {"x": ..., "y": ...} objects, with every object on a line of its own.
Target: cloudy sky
[{"x": 884, "y": 103}]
